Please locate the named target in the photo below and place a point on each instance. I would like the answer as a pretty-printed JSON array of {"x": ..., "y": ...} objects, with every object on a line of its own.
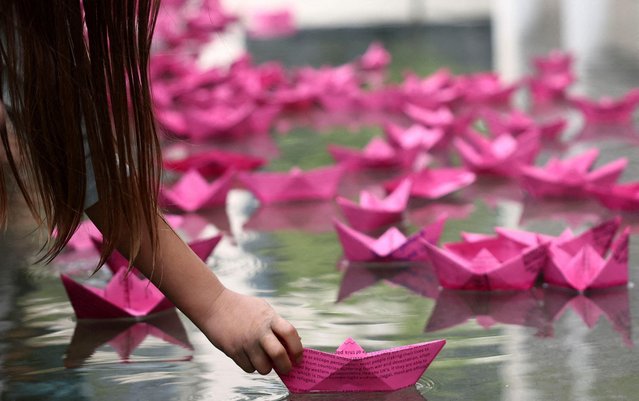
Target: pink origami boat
[
  {"x": 272, "y": 24},
  {"x": 376, "y": 154},
  {"x": 517, "y": 123},
  {"x": 440, "y": 88},
  {"x": 415, "y": 136},
  {"x": 373, "y": 212},
  {"x": 486, "y": 264},
  {"x": 440, "y": 117},
  {"x": 390, "y": 246},
  {"x": 375, "y": 58},
  {"x": 571, "y": 178},
  {"x": 296, "y": 185},
  {"x": 125, "y": 296},
  {"x": 578, "y": 264},
  {"x": 124, "y": 336},
  {"x": 608, "y": 110},
  {"x": 352, "y": 369},
  {"x": 193, "y": 192},
  {"x": 504, "y": 155},
  {"x": 213, "y": 163},
  {"x": 487, "y": 89},
  {"x": 435, "y": 183},
  {"x": 624, "y": 197}
]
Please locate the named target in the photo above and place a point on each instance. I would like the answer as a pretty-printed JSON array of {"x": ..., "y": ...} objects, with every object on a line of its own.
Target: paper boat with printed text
[
  {"x": 351, "y": 369},
  {"x": 579, "y": 265},
  {"x": 125, "y": 296},
  {"x": 486, "y": 264}
]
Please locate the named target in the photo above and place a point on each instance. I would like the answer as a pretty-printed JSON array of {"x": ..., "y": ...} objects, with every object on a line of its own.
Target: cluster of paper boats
[{"x": 437, "y": 135}]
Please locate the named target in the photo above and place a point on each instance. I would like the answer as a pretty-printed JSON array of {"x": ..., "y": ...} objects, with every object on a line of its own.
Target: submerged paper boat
[
  {"x": 125, "y": 296},
  {"x": 373, "y": 212},
  {"x": 571, "y": 178},
  {"x": 192, "y": 192},
  {"x": 485, "y": 264},
  {"x": 390, "y": 246},
  {"x": 351, "y": 368},
  {"x": 295, "y": 185}
]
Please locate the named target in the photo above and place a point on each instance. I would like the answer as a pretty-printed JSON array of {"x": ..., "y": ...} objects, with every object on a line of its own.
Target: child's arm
[{"x": 245, "y": 328}]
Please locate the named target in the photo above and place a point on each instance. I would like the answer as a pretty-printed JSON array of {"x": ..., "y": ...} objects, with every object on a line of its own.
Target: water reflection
[
  {"x": 417, "y": 277},
  {"x": 612, "y": 304},
  {"x": 124, "y": 337},
  {"x": 407, "y": 394}
]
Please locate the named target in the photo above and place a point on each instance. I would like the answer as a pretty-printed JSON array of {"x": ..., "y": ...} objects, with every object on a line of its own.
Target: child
[{"x": 76, "y": 98}]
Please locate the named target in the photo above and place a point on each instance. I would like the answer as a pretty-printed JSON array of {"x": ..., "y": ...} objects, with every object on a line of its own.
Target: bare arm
[{"x": 245, "y": 328}]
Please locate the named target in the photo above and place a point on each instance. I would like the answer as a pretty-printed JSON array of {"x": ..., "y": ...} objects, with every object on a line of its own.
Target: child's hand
[{"x": 249, "y": 331}]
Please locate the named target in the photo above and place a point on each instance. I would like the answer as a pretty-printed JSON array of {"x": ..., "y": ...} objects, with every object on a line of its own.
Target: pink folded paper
[
  {"x": 493, "y": 263},
  {"x": 556, "y": 61},
  {"x": 519, "y": 308},
  {"x": 578, "y": 264},
  {"x": 571, "y": 178},
  {"x": 296, "y": 185},
  {"x": 351, "y": 368},
  {"x": 441, "y": 117},
  {"x": 440, "y": 88},
  {"x": 624, "y": 197},
  {"x": 390, "y": 246},
  {"x": 124, "y": 336},
  {"x": 415, "y": 136},
  {"x": 504, "y": 155},
  {"x": 373, "y": 212},
  {"x": 487, "y": 89},
  {"x": 608, "y": 110},
  {"x": 376, "y": 154},
  {"x": 375, "y": 58},
  {"x": 193, "y": 192},
  {"x": 516, "y": 123},
  {"x": 213, "y": 163},
  {"x": 599, "y": 236},
  {"x": 272, "y": 24},
  {"x": 435, "y": 183},
  {"x": 125, "y": 296}
]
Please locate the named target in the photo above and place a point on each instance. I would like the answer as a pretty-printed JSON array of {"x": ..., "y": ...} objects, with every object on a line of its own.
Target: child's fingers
[
  {"x": 260, "y": 360},
  {"x": 242, "y": 360},
  {"x": 289, "y": 337},
  {"x": 276, "y": 352}
]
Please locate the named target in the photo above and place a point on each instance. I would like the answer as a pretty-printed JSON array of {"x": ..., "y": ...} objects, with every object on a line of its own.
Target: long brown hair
[{"x": 76, "y": 71}]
